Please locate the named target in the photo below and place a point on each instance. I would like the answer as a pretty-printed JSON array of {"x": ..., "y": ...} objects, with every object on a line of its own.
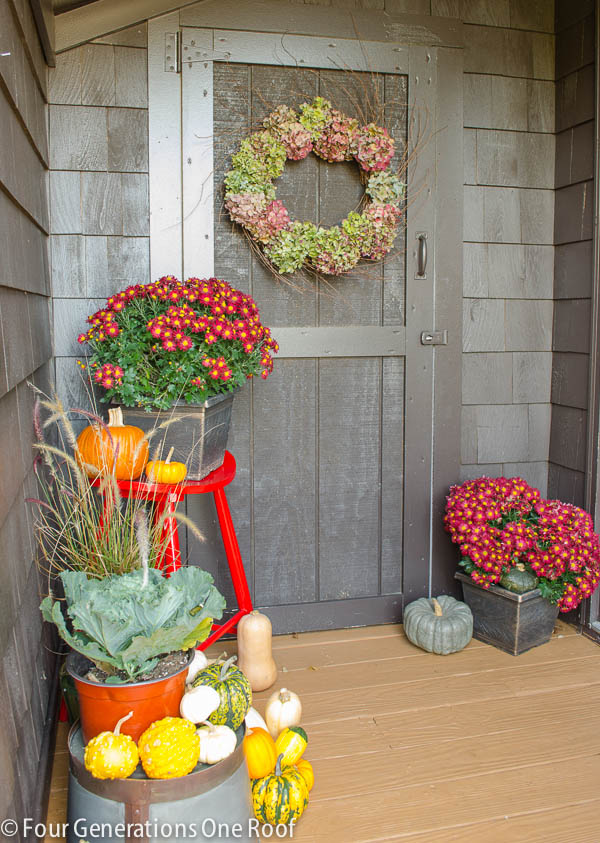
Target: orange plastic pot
[{"x": 101, "y": 706}]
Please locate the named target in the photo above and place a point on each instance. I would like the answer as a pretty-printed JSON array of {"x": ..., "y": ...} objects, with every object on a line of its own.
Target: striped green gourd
[
  {"x": 279, "y": 797},
  {"x": 233, "y": 688}
]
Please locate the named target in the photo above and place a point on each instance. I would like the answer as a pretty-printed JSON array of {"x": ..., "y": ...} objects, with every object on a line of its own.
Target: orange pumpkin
[
  {"x": 259, "y": 749},
  {"x": 305, "y": 769},
  {"x": 96, "y": 452}
]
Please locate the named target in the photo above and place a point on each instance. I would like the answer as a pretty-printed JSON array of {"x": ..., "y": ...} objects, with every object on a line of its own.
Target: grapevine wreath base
[{"x": 292, "y": 135}]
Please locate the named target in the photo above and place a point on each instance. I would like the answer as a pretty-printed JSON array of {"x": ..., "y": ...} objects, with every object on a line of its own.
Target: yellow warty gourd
[
  {"x": 169, "y": 748},
  {"x": 111, "y": 755}
]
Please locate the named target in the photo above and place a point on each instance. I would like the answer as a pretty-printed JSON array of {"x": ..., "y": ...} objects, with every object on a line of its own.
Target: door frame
[{"x": 176, "y": 221}]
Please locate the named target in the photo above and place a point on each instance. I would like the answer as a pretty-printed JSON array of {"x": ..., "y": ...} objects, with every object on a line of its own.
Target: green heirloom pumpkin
[
  {"x": 519, "y": 579},
  {"x": 233, "y": 688},
  {"x": 280, "y": 796},
  {"x": 443, "y": 625}
]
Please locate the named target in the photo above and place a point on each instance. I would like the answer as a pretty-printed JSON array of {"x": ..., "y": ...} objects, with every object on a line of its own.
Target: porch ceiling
[{"x": 66, "y": 5}]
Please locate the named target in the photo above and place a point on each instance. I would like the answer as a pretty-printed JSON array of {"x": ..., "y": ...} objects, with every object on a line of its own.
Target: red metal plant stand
[{"x": 165, "y": 497}]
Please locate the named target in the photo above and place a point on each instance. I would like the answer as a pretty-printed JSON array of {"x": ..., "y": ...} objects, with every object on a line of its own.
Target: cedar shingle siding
[
  {"x": 27, "y": 666},
  {"x": 574, "y": 206},
  {"x": 99, "y": 223}
]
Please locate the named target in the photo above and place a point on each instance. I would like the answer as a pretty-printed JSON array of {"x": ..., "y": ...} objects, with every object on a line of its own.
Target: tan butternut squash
[{"x": 255, "y": 657}]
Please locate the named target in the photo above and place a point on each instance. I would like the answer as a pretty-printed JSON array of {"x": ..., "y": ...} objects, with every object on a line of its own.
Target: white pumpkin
[
  {"x": 199, "y": 662},
  {"x": 254, "y": 720},
  {"x": 197, "y": 704},
  {"x": 283, "y": 709},
  {"x": 216, "y": 742}
]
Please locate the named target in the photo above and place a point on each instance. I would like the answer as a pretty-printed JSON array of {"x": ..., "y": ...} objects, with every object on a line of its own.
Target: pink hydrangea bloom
[
  {"x": 339, "y": 139},
  {"x": 246, "y": 208},
  {"x": 275, "y": 218},
  {"x": 374, "y": 147}
]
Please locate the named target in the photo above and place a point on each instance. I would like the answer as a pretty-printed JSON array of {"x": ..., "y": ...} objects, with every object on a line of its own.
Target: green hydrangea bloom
[
  {"x": 247, "y": 161},
  {"x": 237, "y": 181},
  {"x": 269, "y": 150},
  {"x": 315, "y": 115},
  {"x": 290, "y": 249},
  {"x": 384, "y": 187},
  {"x": 357, "y": 227},
  {"x": 335, "y": 251}
]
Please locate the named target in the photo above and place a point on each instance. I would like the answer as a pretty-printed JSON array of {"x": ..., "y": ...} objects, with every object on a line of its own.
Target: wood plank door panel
[{"x": 329, "y": 448}]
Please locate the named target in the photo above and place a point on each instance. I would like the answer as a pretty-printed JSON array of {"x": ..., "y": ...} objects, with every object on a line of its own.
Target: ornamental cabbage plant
[{"x": 125, "y": 623}]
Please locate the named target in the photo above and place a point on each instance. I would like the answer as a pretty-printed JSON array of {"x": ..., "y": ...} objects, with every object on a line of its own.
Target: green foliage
[
  {"x": 238, "y": 181},
  {"x": 467, "y": 565},
  {"x": 552, "y": 590},
  {"x": 125, "y": 623}
]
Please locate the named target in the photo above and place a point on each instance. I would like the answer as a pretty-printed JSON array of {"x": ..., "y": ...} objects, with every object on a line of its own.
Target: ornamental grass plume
[
  {"x": 500, "y": 523},
  {"x": 84, "y": 525}
]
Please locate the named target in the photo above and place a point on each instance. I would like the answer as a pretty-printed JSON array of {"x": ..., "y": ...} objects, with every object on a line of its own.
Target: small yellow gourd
[
  {"x": 305, "y": 769},
  {"x": 169, "y": 748},
  {"x": 111, "y": 755},
  {"x": 255, "y": 657},
  {"x": 165, "y": 471},
  {"x": 290, "y": 745},
  {"x": 283, "y": 709}
]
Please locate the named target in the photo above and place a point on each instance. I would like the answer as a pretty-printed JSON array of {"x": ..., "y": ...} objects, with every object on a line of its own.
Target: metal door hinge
[
  {"x": 173, "y": 52},
  {"x": 434, "y": 338}
]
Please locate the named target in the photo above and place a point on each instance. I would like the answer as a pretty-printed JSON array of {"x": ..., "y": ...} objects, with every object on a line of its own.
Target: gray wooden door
[{"x": 332, "y": 500}]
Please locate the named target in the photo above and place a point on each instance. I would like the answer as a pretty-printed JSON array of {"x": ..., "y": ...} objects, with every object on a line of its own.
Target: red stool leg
[
  {"x": 234, "y": 558},
  {"x": 171, "y": 558}
]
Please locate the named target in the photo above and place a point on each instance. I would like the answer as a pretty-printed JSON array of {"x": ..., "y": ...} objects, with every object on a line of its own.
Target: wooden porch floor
[{"x": 477, "y": 746}]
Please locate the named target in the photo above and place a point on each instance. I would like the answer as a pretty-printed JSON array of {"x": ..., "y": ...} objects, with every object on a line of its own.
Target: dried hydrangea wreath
[{"x": 290, "y": 245}]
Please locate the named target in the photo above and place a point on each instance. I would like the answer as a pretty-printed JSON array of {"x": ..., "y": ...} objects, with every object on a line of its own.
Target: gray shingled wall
[
  {"x": 573, "y": 255},
  {"x": 27, "y": 663},
  {"x": 99, "y": 220},
  {"x": 508, "y": 234}
]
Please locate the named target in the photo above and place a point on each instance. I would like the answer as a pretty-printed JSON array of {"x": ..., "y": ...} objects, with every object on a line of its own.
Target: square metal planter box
[
  {"x": 512, "y": 622},
  {"x": 199, "y": 436}
]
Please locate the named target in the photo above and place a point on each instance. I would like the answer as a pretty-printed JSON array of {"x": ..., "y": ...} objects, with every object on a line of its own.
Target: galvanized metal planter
[
  {"x": 189, "y": 807},
  {"x": 512, "y": 622},
  {"x": 198, "y": 432}
]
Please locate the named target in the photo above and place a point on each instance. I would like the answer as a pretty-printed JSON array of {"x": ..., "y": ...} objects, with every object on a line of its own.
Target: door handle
[{"x": 421, "y": 236}]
